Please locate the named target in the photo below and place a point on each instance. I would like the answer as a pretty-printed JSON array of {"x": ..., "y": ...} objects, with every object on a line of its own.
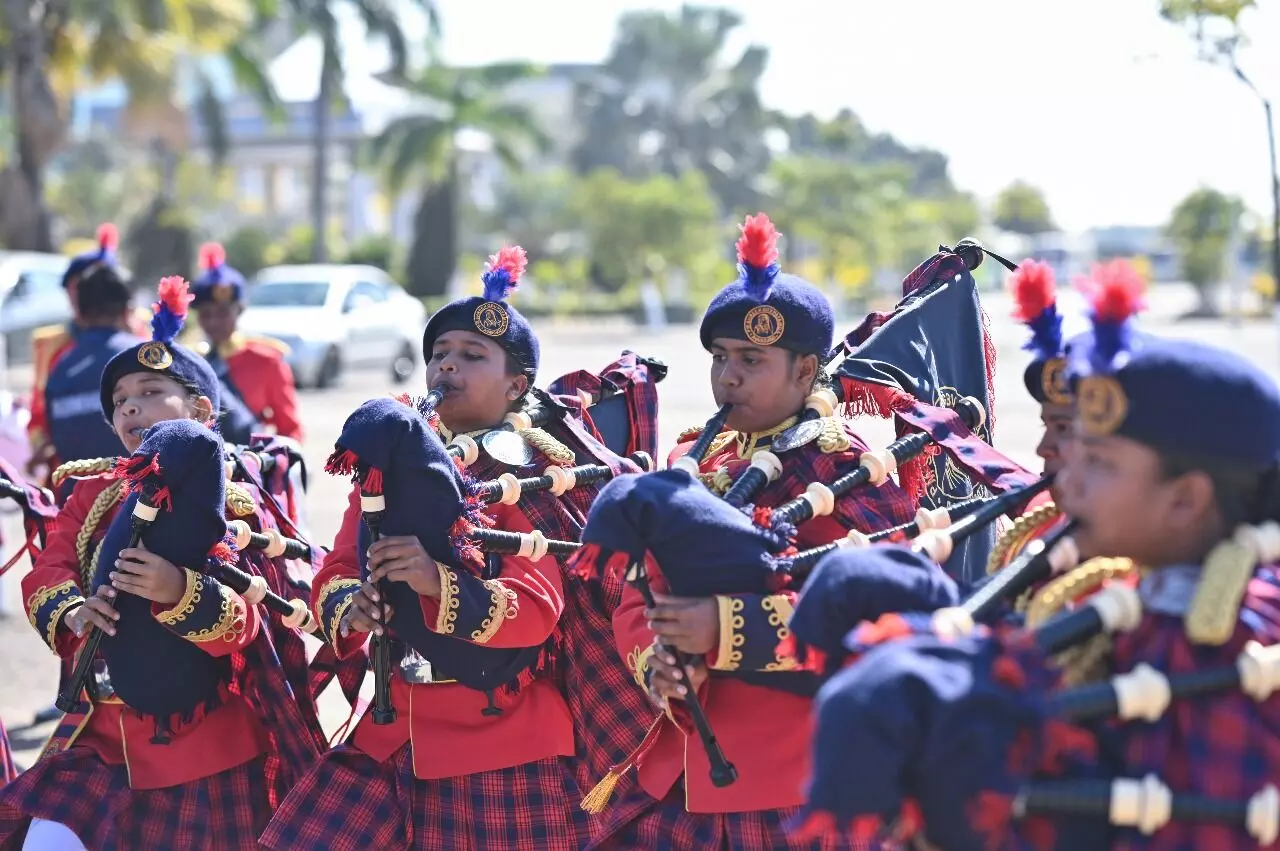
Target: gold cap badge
[
  {"x": 1101, "y": 404},
  {"x": 764, "y": 325},
  {"x": 491, "y": 319},
  {"x": 155, "y": 356}
]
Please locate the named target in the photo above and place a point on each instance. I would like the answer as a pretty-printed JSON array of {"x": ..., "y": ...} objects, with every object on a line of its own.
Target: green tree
[
  {"x": 642, "y": 229},
  {"x": 1022, "y": 208},
  {"x": 1202, "y": 227},
  {"x": 321, "y": 18},
  {"x": 668, "y": 99},
  {"x": 421, "y": 150},
  {"x": 534, "y": 209}
]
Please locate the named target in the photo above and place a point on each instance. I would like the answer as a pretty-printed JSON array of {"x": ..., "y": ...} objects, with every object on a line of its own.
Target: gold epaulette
[
  {"x": 45, "y": 333},
  {"x": 82, "y": 468},
  {"x": 689, "y": 434},
  {"x": 833, "y": 438},
  {"x": 1013, "y": 539},
  {"x": 1085, "y": 662},
  {"x": 545, "y": 443},
  {"x": 270, "y": 342},
  {"x": 1214, "y": 612},
  {"x": 239, "y": 501}
]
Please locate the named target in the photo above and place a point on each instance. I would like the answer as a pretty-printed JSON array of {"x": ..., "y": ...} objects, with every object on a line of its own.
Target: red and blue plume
[
  {"x": 758, "y": 256},
  {"x": 1035, "y": 295},
  {"x": 170, "y": 312},
  {"x": 108, "y": 239},
  {"x": 502, "y": 274},
  {"x": 212, "y": 256},
  {"x": 1115, "y": 292}
]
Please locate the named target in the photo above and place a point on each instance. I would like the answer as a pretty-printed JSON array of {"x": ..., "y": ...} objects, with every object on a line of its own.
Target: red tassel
[
  {"x": 512, "y": 259},
  {"x": 342, "y": 462},
  {"x": 758, "y": 245},
  {"x": 870, "y": 399},
  {"x": 1033, "y": 289},
  {"x": 886, "y": 628},
  {"x": 910, "y": 820},
  {"x": 1114, "y": 290},
  {"x": 762, "y": 516},
  {"x": 990, "y": 814},
  {"x": 1006, "y": 671},
  {"x": 224, "y": 551},
  {"x": 175, "y": 295},
  {"x": 212, "y": 255},
  {"x": 108, "y": 237},
  {"x": 162, "y": 499},
  {"x": 819, "y": 824},
  {"x": 372, "y": 482},
  {"x": 1063, "y": 743}
]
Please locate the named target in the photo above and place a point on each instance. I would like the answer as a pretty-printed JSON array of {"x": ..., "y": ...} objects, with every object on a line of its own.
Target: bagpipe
[
  {"x": 176, "y": 486},
  {"x": 619, "y": 405},
  {"x": 399, "y": 464}
]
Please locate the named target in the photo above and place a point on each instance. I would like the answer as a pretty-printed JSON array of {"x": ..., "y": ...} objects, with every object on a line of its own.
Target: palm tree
[
  {"x": 321, "y": 18},
  {"x": 54, "y": 48},
  {"x": 422, "y": 148},
  {"x": 668, "y": 100}
]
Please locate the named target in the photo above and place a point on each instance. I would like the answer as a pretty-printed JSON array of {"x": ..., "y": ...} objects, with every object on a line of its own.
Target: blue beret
[
  {"x": 162, "y": 355},
  {"x": 851, "y": 585},
  {"x": 766, "y": 307},
  {"x": 702, "y": 544},
  {"x": 86, "y": 263},
  {"x": 490, "y": 315},
  {"x": 218, "y": 282}
]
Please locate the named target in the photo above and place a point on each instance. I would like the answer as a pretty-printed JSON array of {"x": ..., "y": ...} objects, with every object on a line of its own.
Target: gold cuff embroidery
[
  {"x": 186, "y": 604},
  {"x": 502, "y": 605},
  {"x": 729, "y": 652},
  {"x": 334, "y": 586},
  {"x": 449, "y": 601},
  {"x": 780, "y": 609},
  {"x": 233, "y": 617},
  {"x": 638, "y": 664},
  {"x": 41, "y": 596}
]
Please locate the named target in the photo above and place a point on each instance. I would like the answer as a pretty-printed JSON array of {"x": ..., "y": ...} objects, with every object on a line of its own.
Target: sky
[{"x": 1098, "y": 102}]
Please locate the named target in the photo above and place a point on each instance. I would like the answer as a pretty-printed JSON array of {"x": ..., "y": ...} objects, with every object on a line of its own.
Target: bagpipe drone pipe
[
  {"x": 175, "y": 507},
  {"x": 400, "y": 465},
  {"x": 934, "y": 349}
]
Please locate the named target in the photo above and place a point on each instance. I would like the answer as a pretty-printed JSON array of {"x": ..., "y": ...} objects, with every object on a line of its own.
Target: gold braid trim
[
  {"x": 1085, "y": 662},
  {"x": 690, "y": 434},
  {"x": 548, "y": 445},
  {"x": 239, "y": 501},
  {"x": 832, "y": 438},
  {"x": 1011, "y": 540},
  {"x": 102, "y": 505},
  {"x": 334, "y": 586},
  {"x": 718, "y": 482},
  {"x": 83, "y": 467},
  {"x": 1215, "y": 608},
  {"x": 638, "y": 662},
  {"x": 43, "y": 595},
  {"x": 503, "y": 605},
  {"x": 186, "y": 604}
]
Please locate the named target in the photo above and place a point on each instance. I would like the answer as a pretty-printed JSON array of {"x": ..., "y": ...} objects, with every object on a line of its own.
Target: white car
[{"x": 333, "y": 317}]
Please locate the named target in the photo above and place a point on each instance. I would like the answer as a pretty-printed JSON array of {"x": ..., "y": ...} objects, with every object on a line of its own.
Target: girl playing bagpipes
[
  {"x": 188, "y": 727},
  {"x": 471, "y": 744},
  {"x": 767, "y": 334},
  {"x": 1183, "y": 743}
]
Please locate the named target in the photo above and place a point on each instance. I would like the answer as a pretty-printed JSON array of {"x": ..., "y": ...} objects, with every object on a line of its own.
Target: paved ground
[{"x": 28, "y": 672}]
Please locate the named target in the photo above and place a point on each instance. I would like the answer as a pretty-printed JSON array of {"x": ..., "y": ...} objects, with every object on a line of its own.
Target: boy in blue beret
[
  {"x": 253, "y": 368},
  {"x": 767, "y": 333},
  {"x": 1176, "y": 469},
  {"x": 202, "y": 701}
]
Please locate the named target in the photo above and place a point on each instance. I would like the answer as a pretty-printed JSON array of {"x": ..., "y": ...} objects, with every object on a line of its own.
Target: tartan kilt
[
  {"x": 7, "y": 769},
  {"x": 225, "y": 812},
  {"x": 351, "y": 802},
  {"x": 665, "y": 824}
]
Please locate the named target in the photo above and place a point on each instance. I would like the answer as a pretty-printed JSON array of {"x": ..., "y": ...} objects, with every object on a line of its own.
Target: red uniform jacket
[
  {"x": 442, "y": 721},
  {"x": 263, "y": 379},
  {"x": 211, "y": 742},
  {"x": 765, "y": 732}
]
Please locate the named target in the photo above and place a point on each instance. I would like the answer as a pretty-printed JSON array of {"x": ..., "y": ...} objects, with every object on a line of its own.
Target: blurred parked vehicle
[
  {"x": 31, "y": 297},
  {"x": 335, "y": 316}
]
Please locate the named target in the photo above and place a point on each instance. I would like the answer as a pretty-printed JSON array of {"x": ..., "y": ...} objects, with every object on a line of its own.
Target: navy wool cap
[
  {"x": 490, "y": 315},
  {"x": 218, "y": 283},
  {"x": 766, "y": 307},
  {"x": 83, "y": 265},
  {"x": 162, "y": 355}
]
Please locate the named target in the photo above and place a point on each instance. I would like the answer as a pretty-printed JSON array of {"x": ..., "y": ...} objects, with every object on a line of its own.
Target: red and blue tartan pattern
[
  {"x": 628, "y": 375},
  {"x": 610, "y": 712},
  {"x": 351, "y": 802},
  {"x": 7, "y": 769},
  {"x": 1224, "y": 745},
  {"x": 867, "y": 509},
  {"x": 665, "y": 824},
  {"x": 225, "y": 812}
]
